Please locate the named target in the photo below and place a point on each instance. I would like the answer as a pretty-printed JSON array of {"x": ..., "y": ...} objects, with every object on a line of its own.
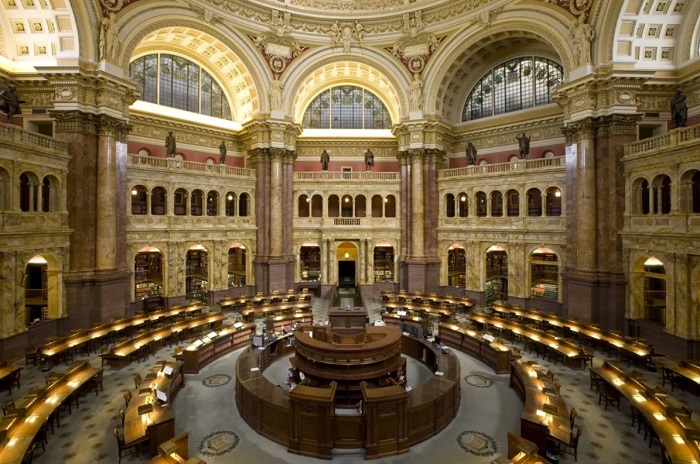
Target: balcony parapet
[
  {"x": 15, "y": 135},
  {"x": 34, "y": 223},
  {"x": 332, "y": 223},
  {"x": 317, "y": 176},
  {"x": 680, "y": 137},
  {"x": 174, "y": 165},
  {"x": 520, "y": 166}
]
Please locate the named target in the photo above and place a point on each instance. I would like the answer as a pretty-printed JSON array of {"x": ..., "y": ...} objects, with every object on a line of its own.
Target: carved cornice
[{"x": 74, "y": 121}]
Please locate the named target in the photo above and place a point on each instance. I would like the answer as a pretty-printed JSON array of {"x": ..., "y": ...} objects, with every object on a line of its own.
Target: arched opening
[
  {"x": 333, "y": 206},
  {"x": 695, "y": 193},
  {"x": 303, "y": 206},
  {"x": 28, "y": 192},
  {"x": 544, "y": 273},
  {"x": 196, "y": 200},
  {"x": 481, "y": 206},
  {"x": 317, "y": 206},
  {"x": 310, "y": 263},
  {"x": 243, "y": 205},
  {"x": 346, "y": 206},
  {"x": 463, "y": 205},
  {"x": 384, "y": 269},
  {"x": 534, "y": 202},
  {"x": 237, "y": 265},
  {"x": 496, "y": 285},
  {"x": 496, "y": 204},
  {"x": 553, "y": 197},
  {"x": 36, "y": 290},
  {"x": 148, "y": 274},
  {"x": 159, "y": 201},
  {"x": 449, "y": 205},
  {"x": 212, "y": 203},
  {"x": 661, "y": 193},
  {"x": 456, "y": 266},
  {"x": 197, "y": 273},
  {"x": 513, "y": 203},
  {"x": 690, "y": 191},
  {"x": 50, "y": 199},
  {"x": 377, "y": 206},
  {"x": 346, "y": 255},
  {"x": 655, "y": 291},
  {"x": 139, "y": 200},
  {"x": 231, "y": 202},
  {"x": 390, "y": 206},
  {"x": 5, "y": 190},
  {"x": 180, "y": 202},
  {"x": 360, "y": 206}
]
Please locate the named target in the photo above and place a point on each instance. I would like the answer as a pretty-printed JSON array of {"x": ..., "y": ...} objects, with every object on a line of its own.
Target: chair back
[
  {"x": 127, "y": 396},
  {"x": 574, "y": 438},
  {"x": 572, "y": 417},
  {"x": 137, "y": 380},
  {"x": 687, "y": 410}
]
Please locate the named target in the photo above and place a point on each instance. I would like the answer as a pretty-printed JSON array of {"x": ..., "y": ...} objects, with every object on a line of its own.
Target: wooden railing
[
  {"x": 516, "y": 166},
  {"x": 175, "y": 164},
  {"x": 677, "y": 137}
]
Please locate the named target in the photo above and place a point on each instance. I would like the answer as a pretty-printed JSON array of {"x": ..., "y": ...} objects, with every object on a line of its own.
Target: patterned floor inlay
[
  {"x": 477, "y": 443},
  {"x": 216, "y": 380},
  {"x": 479, "y": 381},
  {"x": 218, "y": 443}
]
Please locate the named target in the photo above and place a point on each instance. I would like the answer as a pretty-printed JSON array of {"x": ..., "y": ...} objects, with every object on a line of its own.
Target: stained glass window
[
  {"x": 513, "y": 85},
  {"x": 346, "y": 107},
  {"x": 176, "y": 82}
]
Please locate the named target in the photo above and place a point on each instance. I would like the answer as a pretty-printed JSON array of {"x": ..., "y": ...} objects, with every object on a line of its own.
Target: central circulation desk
[
  {"x": 493, "y": 353},
  {"x": 309, "y": 422},
  {"x": 214, "y": 345}
]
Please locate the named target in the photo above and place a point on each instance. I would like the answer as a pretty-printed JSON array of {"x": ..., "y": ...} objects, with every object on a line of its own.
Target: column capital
[
  {"x": 618, "y": 124},
  {"x": 578, "y": 130},
  {"x": 74, "y": 121},
  {"x": 112, "y": 127}
]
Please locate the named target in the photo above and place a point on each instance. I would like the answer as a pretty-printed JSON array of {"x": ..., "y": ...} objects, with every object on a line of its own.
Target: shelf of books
[
  {"x": 384, "y": 264},
  {"x": 310, "y": 260},
  {"x": 148, "y": 275},
  {"x": 236, "y": 267}
]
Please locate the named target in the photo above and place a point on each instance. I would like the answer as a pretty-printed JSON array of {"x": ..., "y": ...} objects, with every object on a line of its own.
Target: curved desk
[{"x": 307, "y": 423}]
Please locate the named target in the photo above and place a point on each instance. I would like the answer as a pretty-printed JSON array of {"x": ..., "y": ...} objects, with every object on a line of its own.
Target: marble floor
[{"x": 205, "y": 409}]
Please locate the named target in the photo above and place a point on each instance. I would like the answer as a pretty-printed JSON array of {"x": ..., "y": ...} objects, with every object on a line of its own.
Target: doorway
[{"x": 346, "y": 274}]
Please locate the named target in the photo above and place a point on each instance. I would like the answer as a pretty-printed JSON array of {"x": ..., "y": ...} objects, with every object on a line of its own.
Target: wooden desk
[
  {"x": 416, "y": 326},
  {"x": 34, "y": 410},
  {"x": 158, "y": 425},
  {"x": 9, "y": 375},
  {"x": 689, "y": 370},
  {"x": 573, "y": 355},
  {"x": 493, "y": 353},
  {"x": 678, "y": 435},
  {"x": 433, "y": 299},
  {"x": 198, "y": 355},
  {"x": 536, "y": 424},
  {"x": 424, "y": 309}
]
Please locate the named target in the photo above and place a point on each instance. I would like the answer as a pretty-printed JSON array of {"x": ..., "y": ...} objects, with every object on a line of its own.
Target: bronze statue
[
  {"x": 679, "y": 108},
  {"x": 325, "y": 159},
  {"x": 222, "y": 153},
  {"x": 369, "y": 160},
  {"x": 9, "y": 102},
  {"x": 170, "y": 146},
  {"x": 523, "y": 145},
  {"x": 471, "y": 154}
]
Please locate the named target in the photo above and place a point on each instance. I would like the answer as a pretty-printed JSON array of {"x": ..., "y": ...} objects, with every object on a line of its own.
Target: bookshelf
[
  {"x": 456, "y": 268},
  {"x": 236, "y": 267},
  {"x": 384, "y": 264},
  {"x": 148, "y": 275},
  {"x": 544, "y": 275},
  {"x": 310, "y": 261},
  {"x": 197, "y": 264}
]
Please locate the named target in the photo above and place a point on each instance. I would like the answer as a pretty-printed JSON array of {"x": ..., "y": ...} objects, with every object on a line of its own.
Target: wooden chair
[
  {"x": 667, "y": 375},
  {"x": 12, "y": 380},
  {"x": 121, "y": 416},
  {"x": 121, "y": 444},
  {"x": 609, "y": 395},
  {"x": 33, "y": 354},
  {"x": 572, "y": 446},
  {"x": 127, "y": 397},
  {"x": 137, "y": 381},
  {"x": 596, "y": 381},
  {"x": 687, "y": 411},
  {"x": 8, "y": 408},
  {"x": 94, "y": 384}
]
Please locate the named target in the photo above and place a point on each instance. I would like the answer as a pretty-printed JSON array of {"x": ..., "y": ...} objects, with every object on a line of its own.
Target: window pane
[{"x": 346, "y": 107}]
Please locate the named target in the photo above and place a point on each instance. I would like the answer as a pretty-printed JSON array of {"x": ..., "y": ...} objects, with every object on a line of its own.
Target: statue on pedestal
[
  {"x": 9, "y": 102},
  {"x": 679, "y": 108},
  {"x": 523, "y": 145},
  {"x": 471, "y": 154},
  {"x": 369, "y": 160},
  {"x": 222, "y": 153},
  {"x": 170, "y": 145},
  {"x": 325, "y": 159}
]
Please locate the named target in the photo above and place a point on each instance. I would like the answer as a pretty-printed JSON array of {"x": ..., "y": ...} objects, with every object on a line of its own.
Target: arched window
[
  {"x": 360, "y": 206},
  {"x": 346, "y": 206},
  {"x": 640, "y": 199},
  {"x": 513, "y": 85},
  {"x": 553, "y": 201},
  {"x": 661, "y": 191},
  {"x": 138, "y": 200},
  {"x": 481, "y": 207},
  {"x": 303, "y": 205},
  {"x": 28, "y": 192},
  {"x": 655, "y": 291},
  {"x": 4, "y": 190},
  {"x": 231, "y": 200},
  {"x": 534, "y": 202},
  {"x": 333, "y": 206},
  {"x": 544, "y": 273},
  {"x": 377, "y": 208},
  {"x": 50, "y": 195},
  {"x": 463, "y": 209},
  {"x": 212, "y": 203},
  {"x": 390, "y": 206},
  {"x": 176, "y": 82},
  {"x": 180, "y": 202},
  {"x": 513, "y": 200},
  {"x": 158, "y": 201},
  {"x": 346, "y": 107},
  {"x": 695, "y": 193},
  {"x": 317, "y": 206},
  {"x": 196, "y": 200},
  {"x": 449, "y": 205},
  {"x": 243, "y": 205},
  {"x": 496, "y": 204}
]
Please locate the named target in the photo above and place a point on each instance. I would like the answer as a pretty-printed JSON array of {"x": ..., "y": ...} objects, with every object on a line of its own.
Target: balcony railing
[
  {"x": 347, "y": 222},
  {"x": 16, "y": 134},
  {"x": 675, "y": 138},
  {"x": 181, "y": 165},
  {"x": 362, "y": 175},
  {"x": 500, "y": 168}
]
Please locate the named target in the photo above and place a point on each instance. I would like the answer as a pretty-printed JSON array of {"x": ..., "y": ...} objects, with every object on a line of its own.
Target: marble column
[
  {"x": 417, "y": 213},
  {"x": 405, "y": 198},
  {"x": 106, "y": 246}
]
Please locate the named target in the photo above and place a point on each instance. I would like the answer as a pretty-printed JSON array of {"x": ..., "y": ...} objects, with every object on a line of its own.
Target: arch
[
  {"x": 456, "y": 266},
  {"x": 346, "y": 107},
  {"x": 237, "y": 265},
  {"x": 197, "y": 272},
  {"x": 43, "y": 288},
  {"x": 553, "y": 199},
  {"x": 661, "y": 194},
  {"x": 310, "y": 262},
  {"x": 180, "y": 200},
  {"x": 690, "y": 191},
  {"x": 463, "y": 205},
  {"x": 450, "y": 205},
  {"x": 390, "y": 206},
  {"x": 347, "y": 258},
  {"x": 347, "y": 206},
  {"x": 317, "y": 206},
  {"x": 212, "y": 203},
  {"x": 50, "y": 194},
  {"x": 545, "y": 280},
  {"x": 383, "y": 262},
  {"x": 360, "y": 206},
  {"x": 28, "y": 191},
  {"x": 149, "y": 272},
  {"x": 244, "y": 204},
  {"x": 648, "y": 289},
  {"x": 513, "y": 203},
  {"x": 5, "y": 190},
  {"x": 496, "y": 274},
  {"x": 232, "y": 60},
  {"x": 159, "y": 201},
  {"x": 303, "y": 205},
  {"x": 534, "y": 202},
  {"x": 312, "y": 74},
  {"x": 333, "y": 206},
  {"x": 496, "y": 203},
  {"x": 481, "y": 206},
  {"x": 196, "y": 202},
  {"x": 640, "y": 196},
  {"x": 139, "y": 200},
  {"x": 231, "y": 203}
]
